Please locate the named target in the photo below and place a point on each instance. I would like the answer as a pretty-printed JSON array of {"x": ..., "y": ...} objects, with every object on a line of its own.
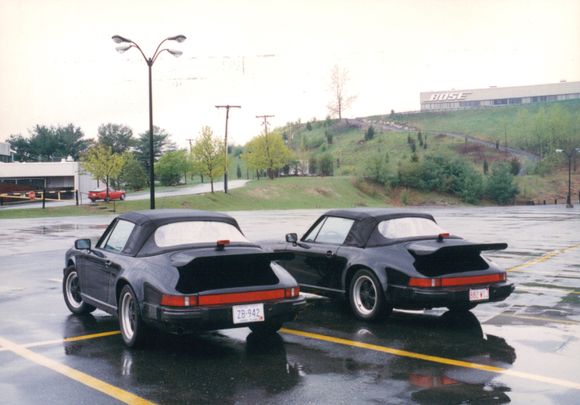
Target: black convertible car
[
  {"x": 181, "y": 271},
  {"x": 380, "y": 258}
]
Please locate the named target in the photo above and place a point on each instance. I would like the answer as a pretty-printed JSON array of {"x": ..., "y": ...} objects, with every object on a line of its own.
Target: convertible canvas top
[
  {"x": 366, "y": 221},
  {"x": 147, "y": 221}
]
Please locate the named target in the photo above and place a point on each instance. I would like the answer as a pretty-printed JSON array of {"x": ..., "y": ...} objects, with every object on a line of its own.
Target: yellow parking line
[
  {"x": 73, "y": 339},
  {"x": 543, "y": 258},
  {"x": 88, "y": 380},
  {"x": 434, "y": 359}
]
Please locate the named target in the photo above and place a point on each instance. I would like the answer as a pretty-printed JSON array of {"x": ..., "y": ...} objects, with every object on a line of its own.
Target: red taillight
[
  {"x": 238, "y": 298},
  {"x": 456, "y": 281},
  {"x": 292, "y": 292},
  {"x": 179, "y": 300}
]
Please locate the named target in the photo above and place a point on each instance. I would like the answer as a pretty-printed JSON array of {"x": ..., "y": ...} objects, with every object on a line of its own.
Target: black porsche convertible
[
  {"x": 380, "y": 259},
  {"x": 180, "y": 271}
]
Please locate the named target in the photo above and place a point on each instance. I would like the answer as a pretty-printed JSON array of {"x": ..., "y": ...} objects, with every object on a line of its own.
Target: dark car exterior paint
[{"x": 102, "y": 274}]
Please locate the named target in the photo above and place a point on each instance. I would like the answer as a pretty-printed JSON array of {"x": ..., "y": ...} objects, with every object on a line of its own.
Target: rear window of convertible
[
  {"x": 193, "y": 232},
  {"x": 409, "y": 227}
]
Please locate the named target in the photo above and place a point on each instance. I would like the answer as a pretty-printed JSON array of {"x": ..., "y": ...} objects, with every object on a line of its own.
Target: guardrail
[{"x": 38, "y": 196}]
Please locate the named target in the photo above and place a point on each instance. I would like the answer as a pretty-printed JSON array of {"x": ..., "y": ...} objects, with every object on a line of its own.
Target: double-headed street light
[
  {"x": 569, "y": 154},
  {"x": 128, "y": 44}
]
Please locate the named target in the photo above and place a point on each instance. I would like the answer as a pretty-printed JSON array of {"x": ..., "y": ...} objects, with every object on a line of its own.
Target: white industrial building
[
  {"x": 65, "y": 175},
  {"x": 447, "y": 100}
]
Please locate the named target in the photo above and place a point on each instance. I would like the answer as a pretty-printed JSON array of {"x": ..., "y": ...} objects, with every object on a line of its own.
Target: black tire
[
  {"x": 133, "y": 329},
  {"x": 461, "y": 306},
  {"x": 122, "y": 197},
  {"x": 93, "y": 200},
  {"x": 107, "y": 199},
  {"x": 366, "y": 297},
  {"x": 266, "y": 328},
  {"x": 71, "y": 290}
]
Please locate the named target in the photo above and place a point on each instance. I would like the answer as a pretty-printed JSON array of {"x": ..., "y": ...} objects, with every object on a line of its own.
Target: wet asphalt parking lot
[{"x": 523, "y": 350}]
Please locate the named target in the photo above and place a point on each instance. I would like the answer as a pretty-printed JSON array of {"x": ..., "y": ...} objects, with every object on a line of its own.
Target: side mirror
[
  {"x": 83, "y": 244},
  {"x": 291, "y": 238}
]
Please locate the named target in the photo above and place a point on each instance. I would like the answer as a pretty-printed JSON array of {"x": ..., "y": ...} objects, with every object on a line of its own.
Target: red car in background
[{"x": 101, "y": 194}]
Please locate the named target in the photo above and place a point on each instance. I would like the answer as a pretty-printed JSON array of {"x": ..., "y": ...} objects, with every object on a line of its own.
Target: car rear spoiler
[
  {"x": 436, "y": 248},
  {"x": 184, "y": 260}
]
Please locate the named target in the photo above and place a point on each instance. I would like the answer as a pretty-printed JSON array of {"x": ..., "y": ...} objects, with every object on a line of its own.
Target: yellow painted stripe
[
  {"x": 83, "y": 378},
  {"x": 434, "y": 359},
  {"x": 70, "y": 339},
  {"x": 544, "y": 257}
]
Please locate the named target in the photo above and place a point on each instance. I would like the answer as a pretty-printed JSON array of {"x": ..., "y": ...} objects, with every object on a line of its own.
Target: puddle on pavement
[{"x": 59, "y": 228}]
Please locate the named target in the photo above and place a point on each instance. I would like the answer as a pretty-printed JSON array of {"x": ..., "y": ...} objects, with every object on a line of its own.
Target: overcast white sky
[{"x": 58, "y": 63}]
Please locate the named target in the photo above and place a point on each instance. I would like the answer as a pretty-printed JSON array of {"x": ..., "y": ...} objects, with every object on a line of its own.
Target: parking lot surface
[{"x": 523, "y": 350}]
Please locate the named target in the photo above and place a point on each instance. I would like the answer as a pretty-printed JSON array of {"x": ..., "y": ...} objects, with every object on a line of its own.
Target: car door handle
[{"x": 329, "y": 254}]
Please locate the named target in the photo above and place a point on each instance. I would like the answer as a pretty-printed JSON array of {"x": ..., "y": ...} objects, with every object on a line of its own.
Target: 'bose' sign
[{"x": 449, "y": 96}]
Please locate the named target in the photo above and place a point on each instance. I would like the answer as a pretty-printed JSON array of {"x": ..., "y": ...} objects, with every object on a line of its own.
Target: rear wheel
[
  {"x": 367, "y": 299},
  {"x": 133, "y": 330},
  {"x": 71, "y": 290},
  {"x": 266, "y": 328},
  {"x": 122, "y": 197}
]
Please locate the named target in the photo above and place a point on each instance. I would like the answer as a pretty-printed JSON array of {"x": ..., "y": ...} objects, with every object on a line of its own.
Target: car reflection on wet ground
[{"x": 524, "y": 349}]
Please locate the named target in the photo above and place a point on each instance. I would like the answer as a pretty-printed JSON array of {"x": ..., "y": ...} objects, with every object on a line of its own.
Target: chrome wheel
[
  {"x": 365, "y": 295},
  {"x": 128, "y": 315},
  {"x": 73, "y": 290}
]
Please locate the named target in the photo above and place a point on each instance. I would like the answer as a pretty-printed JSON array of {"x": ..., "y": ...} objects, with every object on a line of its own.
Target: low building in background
[
  {"x": 66, "y": 175},
  {"x": 448, "y": 100}
]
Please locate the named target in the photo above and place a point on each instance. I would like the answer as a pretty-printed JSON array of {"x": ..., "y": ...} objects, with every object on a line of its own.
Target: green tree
[
  {"x": 267, "y": 152},
  {"x": 376, "y": 168},
  {"x": 118, "y": 137},
  {"x": 103, "y": 164},
  {"x": 50, "y": 143},
  {"x": 326, "y": 163},
  {"x": 208, "y": 153},
  {"x": 133, "y": 175},
  {"x": 161, "y": 144},
  {"x": 171, "y": 167},
  {"x": 370, "y": 133},
  {"x": 500, "y": 184}
]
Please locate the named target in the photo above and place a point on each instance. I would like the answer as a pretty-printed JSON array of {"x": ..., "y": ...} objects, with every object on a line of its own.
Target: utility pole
[
  {"x": 189, "y": 140},
  {"x": 227, "y": 107},
  {"x": 265, "y": 124}
]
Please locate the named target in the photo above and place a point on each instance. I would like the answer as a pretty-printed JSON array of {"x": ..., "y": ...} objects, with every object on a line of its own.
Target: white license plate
[
  {"x": 248, "y": 313},
  {"x": 481, "y": 294}
]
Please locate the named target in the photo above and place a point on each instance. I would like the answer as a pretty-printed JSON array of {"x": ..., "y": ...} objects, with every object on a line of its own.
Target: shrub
[{"x": 500, "y": 185}]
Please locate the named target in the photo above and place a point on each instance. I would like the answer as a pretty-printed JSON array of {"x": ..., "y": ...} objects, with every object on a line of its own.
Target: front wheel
[
  {"x": 133, "y": 330},
  {"x": 122, "y": 197},
  {"x": 367, "y": 299},
  {"x": 71, "y": 290}
]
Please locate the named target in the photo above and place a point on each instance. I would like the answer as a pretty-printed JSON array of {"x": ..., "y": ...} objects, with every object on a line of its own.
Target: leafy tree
[
  {"x": 267, "y": 152},
  {"x": 326, "y": 163},
  {"x": 208, "y": 153},
  {"x": 103, "y": 164},
  {"x": 370, "y": 133},
  {"x": 50, "y": 143},
  {"x": 500, "y": 184},
  {"x": 309, "y": 126},
  {"x": 118, "y": 137},
  {"x": 171, "y": 167},
  {"x": 376, "y": 168},
  {"x": 340, "y": 100},
  {"x": 313, "y": 166},
  {"x": 133, "y": 175},
  {"x": 239, "y": 171},
  {"x": 485, "y": 167},
  {"x": 515, "y": 166},
  {"x": 329, "y": 137},
  {"x": 161, "y": 144}
]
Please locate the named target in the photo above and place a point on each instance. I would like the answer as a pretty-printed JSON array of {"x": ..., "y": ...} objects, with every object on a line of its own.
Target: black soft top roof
[
  {"x": 363, "y": 232},
  {"x": 147, "y": 221}
]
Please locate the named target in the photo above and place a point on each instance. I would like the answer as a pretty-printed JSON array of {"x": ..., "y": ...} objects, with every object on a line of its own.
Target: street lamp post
[
  {"x": 569, "y": 154},
  {"x": 128, "y": 44}
]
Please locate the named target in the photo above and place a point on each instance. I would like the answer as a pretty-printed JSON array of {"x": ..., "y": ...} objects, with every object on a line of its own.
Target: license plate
[
  {"x": 248, "y": 313},
  {"x": 479, "y": 295}
]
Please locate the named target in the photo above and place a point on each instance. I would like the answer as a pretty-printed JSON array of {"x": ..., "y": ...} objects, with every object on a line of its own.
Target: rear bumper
[
  {"x": 409, "y": 297},
  {"x": 189, "y": 320}
]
